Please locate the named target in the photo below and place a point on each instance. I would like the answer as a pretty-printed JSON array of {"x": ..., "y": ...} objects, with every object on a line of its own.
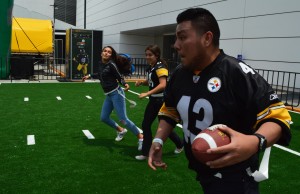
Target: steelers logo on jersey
[
  {"x": 214, "y": 84},
  {"x": 196, "y": 78}
]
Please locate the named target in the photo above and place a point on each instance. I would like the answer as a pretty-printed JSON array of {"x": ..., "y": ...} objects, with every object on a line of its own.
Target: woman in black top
[
  {"x": 110, "y": 76},
  {"x": 157, "y": 74}
]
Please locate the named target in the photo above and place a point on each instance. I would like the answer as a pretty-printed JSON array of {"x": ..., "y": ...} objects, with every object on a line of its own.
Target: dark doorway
[{"x": 169, "y": 52}]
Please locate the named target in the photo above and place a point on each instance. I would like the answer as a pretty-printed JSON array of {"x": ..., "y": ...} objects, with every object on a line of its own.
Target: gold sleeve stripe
[
  {"x": 265, "y": 112},
  {"x": 169, "y": 112},
  {"x": 275, "y": 111},
  {"x": 162, "y": 72}
]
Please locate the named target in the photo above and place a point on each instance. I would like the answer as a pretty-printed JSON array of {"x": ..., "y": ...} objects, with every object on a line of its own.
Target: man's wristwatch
[{"x": 262, "y": 145}]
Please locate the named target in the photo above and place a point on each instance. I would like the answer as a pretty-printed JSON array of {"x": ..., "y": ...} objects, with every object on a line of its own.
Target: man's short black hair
[{"x": 202, "y": 20}]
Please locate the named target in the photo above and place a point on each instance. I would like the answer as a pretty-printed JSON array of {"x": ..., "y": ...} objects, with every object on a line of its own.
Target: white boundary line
[
  {"x": 294, "y": 112},
  {"x": 287, "y": 149}
]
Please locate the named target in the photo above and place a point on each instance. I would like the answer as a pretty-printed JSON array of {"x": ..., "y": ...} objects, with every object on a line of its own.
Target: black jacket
[{"x": 109, "y": 76}]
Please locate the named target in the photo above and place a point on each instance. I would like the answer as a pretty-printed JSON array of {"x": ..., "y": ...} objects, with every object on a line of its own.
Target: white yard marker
[
  {"x": 58, "y": 97},
  {"x": 30, "y": 140},
  {"x": 26, "y": 99},
  {"x": 88, "y": 97},
  {"x": 88, "y": 134}
]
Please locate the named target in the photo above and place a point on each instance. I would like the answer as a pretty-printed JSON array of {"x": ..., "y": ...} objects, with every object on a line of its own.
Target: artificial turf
[{"x": 63, "y": 160}]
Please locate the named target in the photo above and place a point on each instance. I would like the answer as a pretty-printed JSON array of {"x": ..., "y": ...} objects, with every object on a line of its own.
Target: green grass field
[{"x": 63, "y": 160}]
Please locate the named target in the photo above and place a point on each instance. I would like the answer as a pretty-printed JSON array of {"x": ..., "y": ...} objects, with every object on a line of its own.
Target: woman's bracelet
[{"x": 158, "y": 140}]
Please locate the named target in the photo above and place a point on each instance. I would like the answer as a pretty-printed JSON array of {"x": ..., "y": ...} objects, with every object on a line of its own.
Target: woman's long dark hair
[
  {"x": 123, "y": 63},
  {"x": 156, "y": 51}
]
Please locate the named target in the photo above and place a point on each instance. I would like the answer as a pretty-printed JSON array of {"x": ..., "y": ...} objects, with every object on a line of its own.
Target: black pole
[
  {"x": 54, "y": 8},
  {"x": 54, "y": 15},
  {"x": 84, "y": 14}
]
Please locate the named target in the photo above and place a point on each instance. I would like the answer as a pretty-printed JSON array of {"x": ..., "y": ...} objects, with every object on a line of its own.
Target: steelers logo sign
[{"x": 214, "y": 84}]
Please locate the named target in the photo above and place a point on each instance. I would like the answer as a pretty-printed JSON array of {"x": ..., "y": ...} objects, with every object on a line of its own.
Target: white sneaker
[
  {"x": 141, "y": 157},
  {"x": 120, "y": 135},
  {"x": 178, "y": 150},
  {"x": 140, "y": 144}
]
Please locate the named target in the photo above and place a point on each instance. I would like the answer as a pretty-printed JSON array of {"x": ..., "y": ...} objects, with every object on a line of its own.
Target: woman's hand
[
  {"x": 126, "y": 87},
  {"x": 143, "y": 95},
  {"x": 138, "y": 83},
  {"x": 85, "y": 77}
]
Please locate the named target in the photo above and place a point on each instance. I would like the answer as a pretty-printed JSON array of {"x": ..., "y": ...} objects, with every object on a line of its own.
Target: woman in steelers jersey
[{"x": 157, "y": 74}]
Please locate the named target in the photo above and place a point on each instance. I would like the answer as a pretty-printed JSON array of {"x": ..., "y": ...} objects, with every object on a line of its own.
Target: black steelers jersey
[
  {"x": 226, "y": 92},
  {"x": 82, "y": 58},
  {"x": 153, "y": 75}
]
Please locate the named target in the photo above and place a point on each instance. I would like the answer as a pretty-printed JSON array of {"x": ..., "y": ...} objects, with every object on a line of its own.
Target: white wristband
[{"x": 158, "y": 140}]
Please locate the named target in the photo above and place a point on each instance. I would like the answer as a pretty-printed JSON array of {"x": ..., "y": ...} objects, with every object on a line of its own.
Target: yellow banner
[{"x": 31, "y": 36}]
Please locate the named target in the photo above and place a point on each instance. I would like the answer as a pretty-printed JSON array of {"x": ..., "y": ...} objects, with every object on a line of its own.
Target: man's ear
[{"x": 208, "y": 38}]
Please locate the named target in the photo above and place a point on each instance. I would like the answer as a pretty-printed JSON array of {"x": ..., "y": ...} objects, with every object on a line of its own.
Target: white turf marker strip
[
  {"x": 287, "y": 149},
  {"x": 88, "y": 97},
  {"x": 58, "y": 97},
  {"x": 26, "y": 99},
  {"x": 88, "y": 134},
  {"x": 293, "y": 111},
  {"x": 179, "y": 125},
  {"x": 30, "y": 140}
]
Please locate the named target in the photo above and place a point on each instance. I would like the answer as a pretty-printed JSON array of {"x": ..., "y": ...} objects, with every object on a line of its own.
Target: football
[{"x": 208, "y": 138}]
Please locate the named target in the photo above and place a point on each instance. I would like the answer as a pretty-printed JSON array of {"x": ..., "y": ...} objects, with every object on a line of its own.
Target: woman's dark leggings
[{"x": 150, "y": 115}]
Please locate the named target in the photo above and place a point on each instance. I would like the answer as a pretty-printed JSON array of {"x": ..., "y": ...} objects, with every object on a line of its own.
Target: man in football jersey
[
  {"x": 211, "y": 88},
  {"x": 82, "y": 59}
]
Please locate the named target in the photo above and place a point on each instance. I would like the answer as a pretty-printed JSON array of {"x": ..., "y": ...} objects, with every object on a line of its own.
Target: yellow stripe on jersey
[
  {"x": 169, "y": 112},
  {"x": 275, "y": 111},
  {"x": 161, "y": 72}
]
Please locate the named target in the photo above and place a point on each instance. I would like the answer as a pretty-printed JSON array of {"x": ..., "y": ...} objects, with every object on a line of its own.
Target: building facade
[{"x": 265, "y": 33}]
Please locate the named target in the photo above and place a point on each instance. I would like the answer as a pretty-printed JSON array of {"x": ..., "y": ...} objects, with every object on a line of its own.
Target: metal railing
[{"x": 286, "y": 84}]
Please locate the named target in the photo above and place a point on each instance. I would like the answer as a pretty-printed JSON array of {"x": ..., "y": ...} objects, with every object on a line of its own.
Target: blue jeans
[{"x": 115, "y": 101}]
